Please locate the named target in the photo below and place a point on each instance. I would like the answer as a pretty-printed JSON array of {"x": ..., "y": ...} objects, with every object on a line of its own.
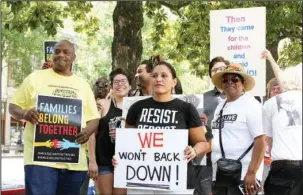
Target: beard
[{"x": 141, "y": 83}]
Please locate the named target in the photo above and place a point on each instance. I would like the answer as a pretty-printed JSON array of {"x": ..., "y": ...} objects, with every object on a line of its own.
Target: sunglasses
[{"x": 234, "y": 79}]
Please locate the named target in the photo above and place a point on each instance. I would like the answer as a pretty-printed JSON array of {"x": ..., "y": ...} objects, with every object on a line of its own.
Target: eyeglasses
[
  {"x": 220, "y": 69},
  {"x": 123, "y": 82},
  {"x": 233, "y": 79}
]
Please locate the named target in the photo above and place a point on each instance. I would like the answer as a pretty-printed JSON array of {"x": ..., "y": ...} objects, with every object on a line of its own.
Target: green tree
[
  {"x": 183, "y": 40},
  {"x": 23, "y": 52},
  {"x": 24, "y": 15},
  {"x": 127, "y": 41},
  {"x": 192, "y": 42},
  {"x": 26, "y": 25}
]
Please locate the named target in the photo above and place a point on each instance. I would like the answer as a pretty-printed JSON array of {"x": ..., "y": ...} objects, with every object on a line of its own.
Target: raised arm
[{"x": 275, "y": 67}]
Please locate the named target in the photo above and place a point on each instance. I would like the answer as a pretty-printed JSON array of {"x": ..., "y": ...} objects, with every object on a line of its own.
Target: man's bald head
[
  {"x": 65, "y": 42},
  {"x": 64, "y": 56}
]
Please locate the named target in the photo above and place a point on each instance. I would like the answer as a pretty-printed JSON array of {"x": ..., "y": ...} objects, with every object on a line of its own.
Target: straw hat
[{"x": 234, "y": 69}]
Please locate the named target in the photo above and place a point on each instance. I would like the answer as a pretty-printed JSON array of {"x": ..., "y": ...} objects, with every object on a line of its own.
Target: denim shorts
[{"x": 104, "y": 170}]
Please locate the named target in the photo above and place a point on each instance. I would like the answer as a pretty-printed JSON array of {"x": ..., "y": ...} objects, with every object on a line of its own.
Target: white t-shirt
[
  {"x": 282, "y": 120},
  {"x": 242, "y": 122}
]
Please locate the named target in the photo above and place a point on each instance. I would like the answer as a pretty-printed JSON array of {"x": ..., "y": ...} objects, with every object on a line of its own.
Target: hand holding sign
[
  {"x": 83, "y": 136},
  {"x": 189, "y": 153},
  {"x": 31, "y": 116},
  {"x": 114, "y": 161},
  {"x": 47, "y": 65},
  {"x": 267, "y": 55}
]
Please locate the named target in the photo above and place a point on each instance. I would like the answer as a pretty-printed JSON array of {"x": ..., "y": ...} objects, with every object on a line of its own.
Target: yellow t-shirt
[{"x": 48, "y": 82}]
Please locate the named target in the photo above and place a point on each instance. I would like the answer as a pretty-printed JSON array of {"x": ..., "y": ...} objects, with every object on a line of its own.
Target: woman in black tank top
[{"x": 101, "y": 147}]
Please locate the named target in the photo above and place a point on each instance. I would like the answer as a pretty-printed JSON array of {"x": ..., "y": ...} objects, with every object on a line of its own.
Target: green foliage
[
  {"x": 26, "y": 25},
  {"x": 24, "y": 15},
  {"x": 178, "y": 30},
  {"x": 291, "y": 54},
  {"x": 162, "y": 33},
  {"x": 190, "y": 37},
  {"x": 23, "y": 52},
  {"x": 94, "y": 52},
  {"x": 84, "y": 21}
]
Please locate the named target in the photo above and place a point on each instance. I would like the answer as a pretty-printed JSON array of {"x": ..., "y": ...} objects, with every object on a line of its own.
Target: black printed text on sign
[
  {"x": 59, "y": 123},
  {"x": 151, "y": 159}
]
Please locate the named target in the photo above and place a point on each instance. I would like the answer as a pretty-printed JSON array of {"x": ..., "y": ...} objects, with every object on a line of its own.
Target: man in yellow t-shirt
[{"x": 46, "y": 177}]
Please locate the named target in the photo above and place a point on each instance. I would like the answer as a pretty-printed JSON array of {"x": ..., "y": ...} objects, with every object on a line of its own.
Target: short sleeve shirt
[
  {"x": 150, "y": 114},
  {"x": 175, "y": 114},
  {"x": 241, "y": 123},
  {"x": 49, "y": 83},
  {"x": 282, "y": 120}
]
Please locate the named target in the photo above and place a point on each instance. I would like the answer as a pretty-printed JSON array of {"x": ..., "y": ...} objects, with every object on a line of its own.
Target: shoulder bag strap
[
  {"x": 220, "y": 137},
  {"x": 220, "y": 129},
  {"x": 247, "y": 150}
]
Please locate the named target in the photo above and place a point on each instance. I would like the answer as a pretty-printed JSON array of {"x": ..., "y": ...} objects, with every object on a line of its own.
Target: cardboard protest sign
[
  {"x": 239, "y": 36},
  {"x": 151, "y": 159},
  {"x": 195, "y": 100},
  {"x": 59, "y": 123},
  {"x": 49, "y": 50}
]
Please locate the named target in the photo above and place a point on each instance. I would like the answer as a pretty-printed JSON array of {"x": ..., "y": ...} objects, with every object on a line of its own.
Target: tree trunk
[{"x": 127, "y": 41}]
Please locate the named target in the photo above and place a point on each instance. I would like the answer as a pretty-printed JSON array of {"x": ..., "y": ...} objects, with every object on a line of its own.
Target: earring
[{"x": 173, "y": 91}]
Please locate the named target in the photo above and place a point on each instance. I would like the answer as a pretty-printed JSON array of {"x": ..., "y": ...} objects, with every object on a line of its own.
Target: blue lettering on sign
[
  {"x": 248, "y": 27},
  {"x": 227, "y": 29},
  {"x": 49, "y": 50},
  {"x": 244, "y": 64},
  {"x": 251, "y": 72},
  {"x": 239, "y": 56}
]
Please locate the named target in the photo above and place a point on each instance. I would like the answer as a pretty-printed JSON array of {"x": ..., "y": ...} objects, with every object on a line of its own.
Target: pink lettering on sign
[{"x": 231, "y": 19}]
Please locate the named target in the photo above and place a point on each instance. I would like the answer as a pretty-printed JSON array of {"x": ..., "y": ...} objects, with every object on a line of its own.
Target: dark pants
[
  {"x": 84, "y": 186},
  {"x": 203, "y": 179},
  {"x": 231, "y": 190},
  {"x": 51, "y": 181},
  {"x": 284, "y": 178}
]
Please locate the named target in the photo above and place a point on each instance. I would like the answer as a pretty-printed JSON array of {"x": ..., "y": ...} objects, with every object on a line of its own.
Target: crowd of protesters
[{"x": 242, "y": 137}]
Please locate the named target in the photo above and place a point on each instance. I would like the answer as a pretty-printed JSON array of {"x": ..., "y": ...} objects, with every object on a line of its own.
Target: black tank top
[{"x": 105, "y": 149}]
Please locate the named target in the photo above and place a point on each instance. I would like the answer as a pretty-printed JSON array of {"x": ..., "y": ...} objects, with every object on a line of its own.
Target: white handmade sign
[
  {"x": 239, "y": 36},
  {"x": 151, "y": 159}
]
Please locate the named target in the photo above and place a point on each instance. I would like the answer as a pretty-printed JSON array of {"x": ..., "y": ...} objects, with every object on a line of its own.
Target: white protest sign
[
  {"x": 239, "y": 36},
  {"x": 151, "y": 159},
  {"x": 195, "y": 99}
]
